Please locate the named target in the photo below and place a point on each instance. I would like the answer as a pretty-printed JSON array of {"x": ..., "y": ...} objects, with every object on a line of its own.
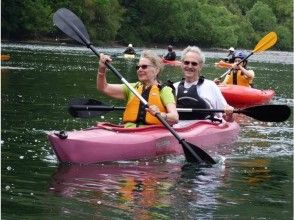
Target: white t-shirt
[{"x": 208, "y": 91}]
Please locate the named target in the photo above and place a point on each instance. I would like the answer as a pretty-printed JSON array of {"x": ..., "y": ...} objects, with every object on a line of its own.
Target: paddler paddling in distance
[
  {"x": 239, "y": 74},
  {"x": 160, "y": 98},
  {"x": 193, "y": 91}
]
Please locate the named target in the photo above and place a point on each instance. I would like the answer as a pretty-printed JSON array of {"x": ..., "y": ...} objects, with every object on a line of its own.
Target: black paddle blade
[
  {"x": 195, "y": 154},
  {"x": 77, "y": 110},
  {"x": 268, "y": 113},
  {"x": 71, "y": 25}
]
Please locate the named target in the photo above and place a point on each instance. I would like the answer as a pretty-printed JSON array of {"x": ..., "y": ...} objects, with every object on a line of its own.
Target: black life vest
[{"x": 189, "y": 98}]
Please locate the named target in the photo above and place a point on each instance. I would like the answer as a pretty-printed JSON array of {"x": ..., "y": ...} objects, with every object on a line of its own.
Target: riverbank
[{"x": 114, "y": 44}]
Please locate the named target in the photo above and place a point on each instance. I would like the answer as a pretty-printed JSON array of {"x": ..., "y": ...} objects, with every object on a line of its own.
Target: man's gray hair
[{"x": 193, "y": 49}]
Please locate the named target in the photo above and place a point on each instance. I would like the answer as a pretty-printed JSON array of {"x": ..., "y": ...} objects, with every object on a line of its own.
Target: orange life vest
[
  {"x": 237, "y": 79},
  {"x": 135, "y": 110}
]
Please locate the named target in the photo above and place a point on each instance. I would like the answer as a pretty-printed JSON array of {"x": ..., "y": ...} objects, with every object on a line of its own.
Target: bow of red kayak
[{"x": 242, "y": 96}]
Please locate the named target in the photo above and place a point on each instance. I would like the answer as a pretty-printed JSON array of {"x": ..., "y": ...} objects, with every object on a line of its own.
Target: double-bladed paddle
[
  {"x": 72, "y": 26},
  {"x": 265, "y": 43},
  {"x": 84, "y": 108}
]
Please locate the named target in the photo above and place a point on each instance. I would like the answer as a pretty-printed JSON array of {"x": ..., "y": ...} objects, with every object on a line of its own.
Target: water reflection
[{"x": 143, "y": 189}]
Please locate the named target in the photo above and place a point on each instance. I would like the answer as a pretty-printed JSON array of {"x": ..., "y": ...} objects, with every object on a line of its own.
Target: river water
[{"x": 254, "y": 182}]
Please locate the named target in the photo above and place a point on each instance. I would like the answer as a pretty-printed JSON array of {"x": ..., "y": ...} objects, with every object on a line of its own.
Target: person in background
[
  {"x": 171, "y": 55},
  {"x": 130, "y": 50},
  {"x": 239, "y": 74},
  {"x": 230, "y": 57},
  {"x": 160, "y": 98},
  {"x": 193, "y": 91}
]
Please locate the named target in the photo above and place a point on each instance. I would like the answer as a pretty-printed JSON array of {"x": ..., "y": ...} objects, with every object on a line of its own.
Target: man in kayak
[
  {"x": 239, "y": 74},
  {"x": 230, "y": 56},
  {"x": 171, "y": 55},
  {"x": 193, "y": 91},
  {"x": 160, "y": 98},
  {"x": 130, "y": 50}
]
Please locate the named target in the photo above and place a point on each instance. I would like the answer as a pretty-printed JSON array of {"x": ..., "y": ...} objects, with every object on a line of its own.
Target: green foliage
[
  {"x": 262, "y": 17},
  {"x": 285, "y": 38},
  {"x": 25, "y": 19},
  {"x": 205, "y": 23}
]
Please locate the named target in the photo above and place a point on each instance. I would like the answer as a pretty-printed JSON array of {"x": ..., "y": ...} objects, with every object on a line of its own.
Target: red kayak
[
  {"x": 171, "y": 62},
  {"x": 242, "y": 96},
  {"x": 108, "y": 142}
]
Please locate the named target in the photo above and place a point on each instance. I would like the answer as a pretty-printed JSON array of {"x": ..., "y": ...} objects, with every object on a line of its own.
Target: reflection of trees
[{"x": 256, "y": 171}]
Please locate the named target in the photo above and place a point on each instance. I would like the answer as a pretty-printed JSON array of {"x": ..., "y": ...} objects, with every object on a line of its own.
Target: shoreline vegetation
[
  {"x": 205, "y": 23},
  {"x": 70, "y": 42}
]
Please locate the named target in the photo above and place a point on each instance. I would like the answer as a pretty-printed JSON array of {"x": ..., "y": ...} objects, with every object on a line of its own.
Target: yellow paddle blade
[{"x": 266, "y": 42}]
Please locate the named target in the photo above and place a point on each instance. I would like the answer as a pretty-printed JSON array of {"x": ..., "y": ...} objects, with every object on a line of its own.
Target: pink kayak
[
  {"x": 108, "y": 142},
  {"x": 242, "y": 96}
]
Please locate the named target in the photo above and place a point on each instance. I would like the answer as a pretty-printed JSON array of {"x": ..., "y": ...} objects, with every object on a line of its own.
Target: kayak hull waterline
[
  {"x": 108, "y": 142},
  {"x": 242, "y": 96}
]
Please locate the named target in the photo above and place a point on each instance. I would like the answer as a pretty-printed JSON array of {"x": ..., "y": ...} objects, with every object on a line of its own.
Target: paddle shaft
[
  {"x": 112, "y": 108},
  {"x": 89, "y": 45}
]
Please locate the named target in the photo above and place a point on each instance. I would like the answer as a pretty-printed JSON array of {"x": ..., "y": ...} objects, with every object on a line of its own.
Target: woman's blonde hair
[{"x": 153, "y": 57}]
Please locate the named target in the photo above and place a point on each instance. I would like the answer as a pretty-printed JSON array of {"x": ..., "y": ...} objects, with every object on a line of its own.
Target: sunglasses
[
  {"x": 192, "y": 63},
  {"x": 144, "y": 66}
]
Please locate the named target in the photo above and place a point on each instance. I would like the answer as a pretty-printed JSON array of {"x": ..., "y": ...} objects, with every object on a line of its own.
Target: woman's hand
[
  {"x": 153, "y": 109},
  {"x": 103, "y": 58}
]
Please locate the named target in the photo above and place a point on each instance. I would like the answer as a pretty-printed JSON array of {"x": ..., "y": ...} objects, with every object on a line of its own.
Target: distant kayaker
[
  {"x": 230, "y": 56},
  {"x": 171, "y": 55},
  {"x": 239, "y": 74},
  {"x": 130, "y": 50},
  {"x": 193, "y": 91},
  {"x": 160, "y": 98}
]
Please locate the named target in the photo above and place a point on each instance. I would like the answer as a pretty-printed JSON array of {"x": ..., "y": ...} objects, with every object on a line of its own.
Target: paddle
[
  {"x": 71, "y": 25},
  {"x": 223, "y": 64},
  {"x": 84, "y": 108},
  {"x": 265, "y": 43}
]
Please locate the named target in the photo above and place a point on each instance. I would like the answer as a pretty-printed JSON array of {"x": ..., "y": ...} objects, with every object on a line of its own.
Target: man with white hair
[{"x": 193, "y": 91}]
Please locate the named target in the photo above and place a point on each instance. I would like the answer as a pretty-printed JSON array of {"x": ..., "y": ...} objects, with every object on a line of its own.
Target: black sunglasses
[
  {"x": 192, "y": 63},
  {"x": 144, "y": 66}
]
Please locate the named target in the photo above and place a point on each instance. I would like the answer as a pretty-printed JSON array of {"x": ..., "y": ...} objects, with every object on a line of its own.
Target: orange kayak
[{"x": 5, "y": 57}]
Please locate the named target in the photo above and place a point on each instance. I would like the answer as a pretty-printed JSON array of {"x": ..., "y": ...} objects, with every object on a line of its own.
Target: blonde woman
[{"x": 160, "y": 98}]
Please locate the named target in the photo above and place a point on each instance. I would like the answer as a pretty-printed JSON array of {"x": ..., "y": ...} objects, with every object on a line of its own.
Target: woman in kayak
[
  {"x": 239, "y": 74},
  {"x": 159, "y": 97},
  {"x": 193, "y": 91}
]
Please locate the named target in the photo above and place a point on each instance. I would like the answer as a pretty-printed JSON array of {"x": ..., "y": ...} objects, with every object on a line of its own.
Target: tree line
[{"x": 205, "y": 23}]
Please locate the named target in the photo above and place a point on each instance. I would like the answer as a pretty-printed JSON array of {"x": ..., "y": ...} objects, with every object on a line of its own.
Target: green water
[{"x": 255, "y": 182}]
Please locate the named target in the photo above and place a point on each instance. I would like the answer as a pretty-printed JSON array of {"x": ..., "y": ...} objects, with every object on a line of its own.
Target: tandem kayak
[
  {"x": 242, "y": 96},
  {"x": 109, "y": 142},
  {"x": 171, "y": 62}
]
